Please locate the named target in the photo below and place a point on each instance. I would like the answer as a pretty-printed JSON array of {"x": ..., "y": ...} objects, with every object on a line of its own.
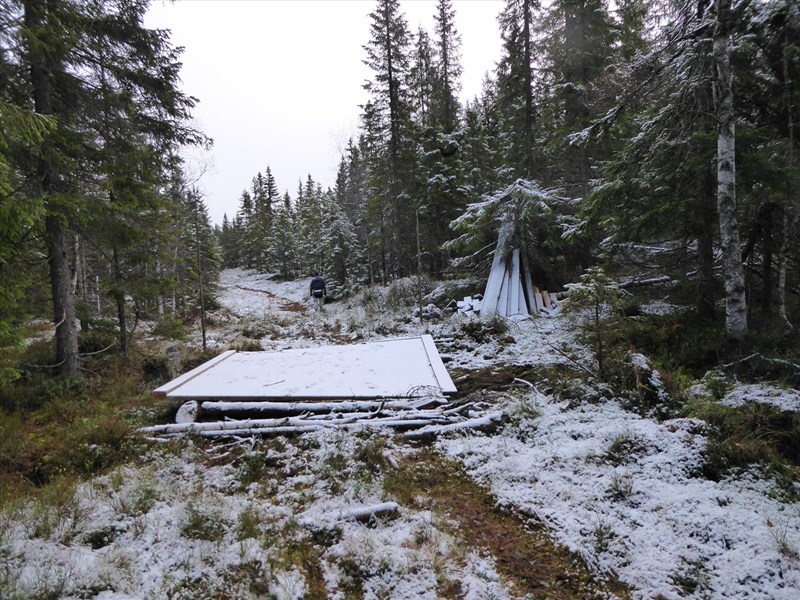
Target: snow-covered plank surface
[
  {"x": 385, "y": 369},
  {"x": 189, "y": 375}
]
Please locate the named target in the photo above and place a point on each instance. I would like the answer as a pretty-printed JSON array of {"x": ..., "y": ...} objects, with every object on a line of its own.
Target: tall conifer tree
[
  {"x": 516, "y": 86},
  {"x": 104, "y": 78},
  {"x": 390, "y": 152}
]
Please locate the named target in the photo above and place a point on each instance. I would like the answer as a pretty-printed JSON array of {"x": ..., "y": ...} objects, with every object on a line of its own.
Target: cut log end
[{"x": 188, "y": 412}]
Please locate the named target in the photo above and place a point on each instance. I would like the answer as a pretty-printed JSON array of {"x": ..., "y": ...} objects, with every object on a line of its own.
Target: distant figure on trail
[{"x": 318, "y": 291}]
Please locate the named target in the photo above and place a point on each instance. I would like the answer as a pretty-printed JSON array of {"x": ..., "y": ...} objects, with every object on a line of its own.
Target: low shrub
[
  {"x": 481, "y": 330},
  {"x": 172, "y": 329},
  {"x": 197, "y": 358},
  {"x": 676, "y": 342},
  {"x": 406, "y": 292},
  {"x": 96, "y": 340},
  {"x": 156, "y": 367},
  {"x": 624, "y": 448},
  {"x": 753, "y": 434},
  {"x": 371, "y": 453},
  {"x": 247, "y": 346},
  {"x": 257, "y": 331},
  {"x": 203, "y": 524}
]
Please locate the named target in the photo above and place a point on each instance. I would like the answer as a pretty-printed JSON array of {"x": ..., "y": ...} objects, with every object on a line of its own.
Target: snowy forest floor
[{"x": 576, "y": 495}]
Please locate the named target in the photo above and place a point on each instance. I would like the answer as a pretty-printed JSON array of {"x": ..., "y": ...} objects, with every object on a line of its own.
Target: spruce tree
[
  {"x": 19, "y": 216},
  {"x": 576, "y": 45},
  {"x": 107, "y": 81},
  {"x": 422, "y": 81},
  {"x": 247, "y": 222},
  {"x": 390, "y": 151},
  {"x": 283, "y": 239},
  {"x": 310, "y": 229},
  {"x": 515, "y": 87},
  {"x": 448, "y": 66}
]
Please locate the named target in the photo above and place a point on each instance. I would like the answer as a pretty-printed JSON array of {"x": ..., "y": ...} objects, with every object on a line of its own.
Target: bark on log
[
  {"x": 365, "y": 514},
  {"x": 242, "y": 409},
  {"x": 295, "y": 425},
  {"x": 645, "y": 282},
  {"x": 485, "y": 423}
]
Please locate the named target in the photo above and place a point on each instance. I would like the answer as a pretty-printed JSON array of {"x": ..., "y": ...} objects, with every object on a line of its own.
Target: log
[
  {"x": 197, "y": 427},
  {"x": 249, "y": 432},
  {"x": 239, "y": 409},
  {"x": 644, "y": 282},
  {"x": 295, "y": 425},
  {"x": 364, "y": 514},
  {"x": 484, "y": 423},
  {"x": 188, "y": 412},
  {"x": 360, "y": 514}
]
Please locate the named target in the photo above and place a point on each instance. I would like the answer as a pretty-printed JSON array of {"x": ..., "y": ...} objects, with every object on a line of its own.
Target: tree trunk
[
  {"x": 783, "y": 252},
  {"x": 63, "y": 299},
  {"x": 706, "y": 301},
  {"x": 119, "y": 297},
  {"x": 42, "y": 64},
  {"x": 768, "y": 281},
  {"x": 735, "y": 301},
  {"x": 782, "y": 268}
]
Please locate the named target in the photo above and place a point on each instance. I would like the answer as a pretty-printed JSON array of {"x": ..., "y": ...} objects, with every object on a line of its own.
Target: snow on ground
[
  {"x": 181, "y": 526},
  {"x": 623, "y": 491},
  {"x": 782, "y": 399},
  {"x": 248, "y": 293},
  {"x": 528, "y": 341}
]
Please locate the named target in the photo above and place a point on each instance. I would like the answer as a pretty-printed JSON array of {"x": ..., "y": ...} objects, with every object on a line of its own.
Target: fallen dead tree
[
  {"x": 485, "y": 423},
  {"x": 211, "y": 409},
  {"x": 417, "y": 419}
]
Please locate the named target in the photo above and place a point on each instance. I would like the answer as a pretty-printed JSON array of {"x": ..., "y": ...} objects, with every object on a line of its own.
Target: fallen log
[
  {"x": 296, "y": 425},
  {"x": 249, "y": 432},
  {"x": 229, "y": 428},
  {"x": 645, "y": 282},
  {"x": 485, "y": 423},
  {"x": 360, "y": 514},
  {"x": 417, "y": 424},
  {"x": 212, "y": 425},
  {"x": 285, "y": 409},
  {"x": 188, "y": 412},
  {"x": 364, "y": 514}
]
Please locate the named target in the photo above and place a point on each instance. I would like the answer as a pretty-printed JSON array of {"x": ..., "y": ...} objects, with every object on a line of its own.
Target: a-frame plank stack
[{"x": 509, "y": 289}]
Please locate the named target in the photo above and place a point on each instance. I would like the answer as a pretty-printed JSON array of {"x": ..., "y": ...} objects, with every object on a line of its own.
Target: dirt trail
[
  {"x": 524, "y": 551},
  {"x": 283, "y": 303}
]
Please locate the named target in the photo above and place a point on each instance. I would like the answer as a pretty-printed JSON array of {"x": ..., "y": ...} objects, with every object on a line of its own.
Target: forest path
[{"x": 247, "y": 293}]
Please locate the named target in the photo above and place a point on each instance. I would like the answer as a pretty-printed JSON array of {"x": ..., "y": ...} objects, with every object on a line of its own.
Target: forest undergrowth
[{"x": 57, "y": 432}]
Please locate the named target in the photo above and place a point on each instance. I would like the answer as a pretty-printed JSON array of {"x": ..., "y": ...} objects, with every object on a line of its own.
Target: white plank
[
  {"x": 165, "y": 389},
  {"x": 537, "y": 297},
  {"x": 527, "y": 281},
  {"x": 513, "y": 285},
  {"x": 502, "y": 297},
  {"x": 437, "y": 366},
  {"x": 496, "y": 276}
]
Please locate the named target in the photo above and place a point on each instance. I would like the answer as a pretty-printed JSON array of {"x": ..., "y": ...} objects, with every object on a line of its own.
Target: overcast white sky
[{"x": 280, "y": 81}]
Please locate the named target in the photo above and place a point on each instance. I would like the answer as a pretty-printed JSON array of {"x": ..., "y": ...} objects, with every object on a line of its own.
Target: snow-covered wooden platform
[{"x": 394, "y": 368}]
